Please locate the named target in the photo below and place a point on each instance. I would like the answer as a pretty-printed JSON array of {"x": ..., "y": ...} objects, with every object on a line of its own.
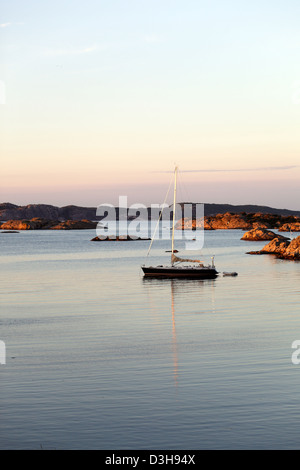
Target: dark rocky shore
[
  {"x": 14, "y": 226},
  {"x": 282, "y": 249},
  {"x": 227, "y": 221},
  {"x": 118, "y": 238},
  {"x": 244, "y": 221},
  {"x": 261, "y": 234},
  {"x": 258, "y": 226},
  {"x": 279, "y": 245},
  {"x": 47, "y": 224}
]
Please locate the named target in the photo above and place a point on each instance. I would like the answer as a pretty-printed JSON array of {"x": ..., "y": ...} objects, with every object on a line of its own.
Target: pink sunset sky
[{"x": 104, "y": 98}]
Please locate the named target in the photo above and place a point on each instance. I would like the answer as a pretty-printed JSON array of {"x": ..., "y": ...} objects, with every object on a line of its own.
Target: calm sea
[{"x": 99, "y": 358}]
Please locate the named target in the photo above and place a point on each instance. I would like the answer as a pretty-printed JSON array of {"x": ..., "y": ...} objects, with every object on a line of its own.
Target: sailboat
[{"x": 196, "y": 270}]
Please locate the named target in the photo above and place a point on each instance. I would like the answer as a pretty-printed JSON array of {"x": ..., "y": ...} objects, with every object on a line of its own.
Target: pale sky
[{"x": 100, "y": 99}]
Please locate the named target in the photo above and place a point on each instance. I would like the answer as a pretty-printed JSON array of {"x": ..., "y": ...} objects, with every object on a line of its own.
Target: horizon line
[
  {"x": 267, "y": 168},
  {"x": 149, "y": 206}
]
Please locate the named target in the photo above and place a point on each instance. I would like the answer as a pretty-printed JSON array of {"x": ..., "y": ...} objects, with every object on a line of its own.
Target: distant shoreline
[
  {"x": 227, "y": 221},
  {"x": 10, "y": 211}
]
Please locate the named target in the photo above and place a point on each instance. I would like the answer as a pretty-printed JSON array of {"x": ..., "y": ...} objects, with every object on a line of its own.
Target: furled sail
[{"x": 176, "y": 259}]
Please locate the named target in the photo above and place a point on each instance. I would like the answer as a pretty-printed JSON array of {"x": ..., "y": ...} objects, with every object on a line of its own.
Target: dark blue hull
[{"x": 180, "y": 272}]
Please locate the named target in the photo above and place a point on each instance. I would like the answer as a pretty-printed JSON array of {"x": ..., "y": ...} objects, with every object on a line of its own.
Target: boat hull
[{"x": 183, "y": 273}]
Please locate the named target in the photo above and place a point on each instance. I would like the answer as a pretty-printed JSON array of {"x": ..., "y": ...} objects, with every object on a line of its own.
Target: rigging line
[{"x": 160, "y": 215}]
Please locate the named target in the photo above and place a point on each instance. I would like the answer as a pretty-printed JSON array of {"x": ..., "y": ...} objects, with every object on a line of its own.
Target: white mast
[{"x": 174, "y": 206}]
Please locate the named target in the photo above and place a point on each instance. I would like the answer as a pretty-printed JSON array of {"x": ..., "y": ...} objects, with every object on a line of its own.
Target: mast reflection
[
  {"x": 177, "y": 287},
  {"x": 174, "y": 339}
]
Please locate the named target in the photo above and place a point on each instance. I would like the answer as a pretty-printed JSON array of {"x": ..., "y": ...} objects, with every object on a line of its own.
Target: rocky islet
[{"x": 282, "y": 249}]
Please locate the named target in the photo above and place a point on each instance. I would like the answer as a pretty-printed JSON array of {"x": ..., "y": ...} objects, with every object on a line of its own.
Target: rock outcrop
[
  {"x": 261, "y": 234},
  {"x": 189, "y": 224},
  {"x": 218, "y": 222},
  {"x": 47, "y": 224},
  {"x": 283, "y": 249},
  {"x": 228, "y": 221},
  {"x": 292, "y": 227},
  {"x": 293, "y": 249},
  {"x": 33, "y": 224},
  {"x": 242, "y": 221},
  {"x": 75, "y": 225},
  {"x": 118, "y": 238}
]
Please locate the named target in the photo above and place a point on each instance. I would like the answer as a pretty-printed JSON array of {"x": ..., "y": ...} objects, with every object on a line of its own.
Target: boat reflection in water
[{"x": 177, "y": 289}]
